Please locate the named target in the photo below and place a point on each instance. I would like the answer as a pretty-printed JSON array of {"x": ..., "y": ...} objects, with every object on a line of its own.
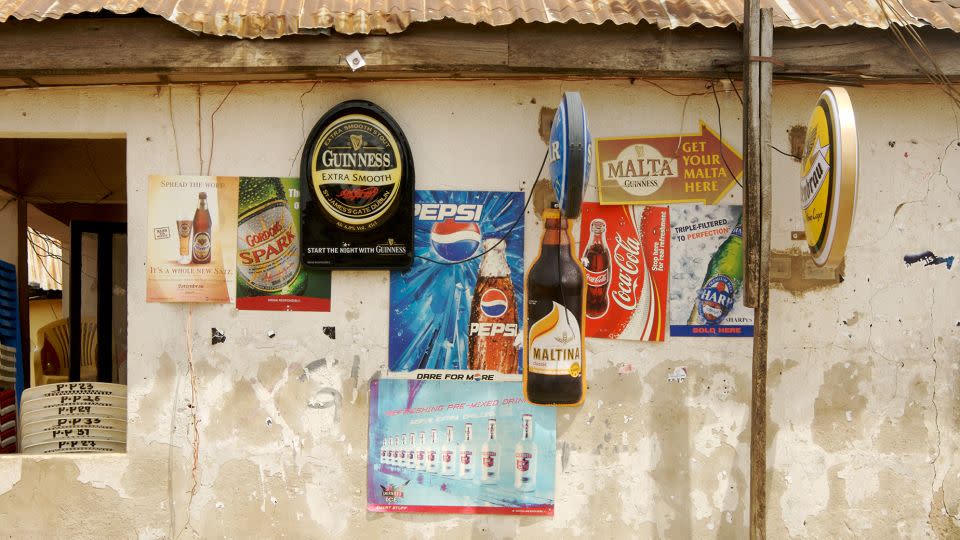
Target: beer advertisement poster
[
  {"x": 357, "y": 180},
  {"x": 270, "y": 275},
  {"x": 191, "y": 244},
  {"x": 460, "y": 306},
  {"x": 663, "y": 169},
  {"x": 459, "y": 448},
  {"x": 625, "y": 251},
  {"x": 706, "y": 272}
]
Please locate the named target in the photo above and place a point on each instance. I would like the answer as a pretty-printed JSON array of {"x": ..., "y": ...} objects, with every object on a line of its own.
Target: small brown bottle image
[{"x": 201, "y": 247}]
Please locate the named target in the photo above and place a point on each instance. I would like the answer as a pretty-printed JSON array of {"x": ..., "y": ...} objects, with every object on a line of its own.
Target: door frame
[{"x": 105, "y": 232}]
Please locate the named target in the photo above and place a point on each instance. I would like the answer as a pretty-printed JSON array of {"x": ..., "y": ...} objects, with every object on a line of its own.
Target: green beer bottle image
[
  {"x": 720, "y": 286},
  {"x": 268, "y": 246}
]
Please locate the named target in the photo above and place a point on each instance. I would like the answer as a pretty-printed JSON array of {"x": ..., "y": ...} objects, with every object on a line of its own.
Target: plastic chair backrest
[
  {"x": 88, "y": 343},
  {"x": 57, "y": 334}
]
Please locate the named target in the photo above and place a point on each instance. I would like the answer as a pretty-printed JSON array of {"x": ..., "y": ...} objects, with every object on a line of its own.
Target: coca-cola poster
[
  {"x": 191, "y": 238},
  {"x": 460, "y": 306},
  {"x": 625, "y": 251},
  {"x": 270, "y": 274},
  {"x": 706, "y": 273},
  {"x": 459, "y": 448}
]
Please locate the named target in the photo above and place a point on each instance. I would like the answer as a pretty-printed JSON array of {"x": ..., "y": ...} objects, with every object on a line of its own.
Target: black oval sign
[{"x": 357, "y": 180}]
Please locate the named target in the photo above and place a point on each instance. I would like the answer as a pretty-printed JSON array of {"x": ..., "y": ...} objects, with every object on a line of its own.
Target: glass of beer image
[{"x": 184, "y": 228}]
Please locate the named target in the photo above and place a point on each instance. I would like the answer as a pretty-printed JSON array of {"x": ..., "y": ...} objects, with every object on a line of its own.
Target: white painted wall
[{"x": 863, "y": 378}]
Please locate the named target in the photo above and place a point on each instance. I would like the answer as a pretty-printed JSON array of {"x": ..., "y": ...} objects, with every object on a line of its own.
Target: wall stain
[{"x": 838, "y": 408}]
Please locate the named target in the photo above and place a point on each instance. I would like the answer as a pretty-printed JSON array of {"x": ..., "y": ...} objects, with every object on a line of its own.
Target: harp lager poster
[
  {"x": 706, "y": 272},
  {"x": 270, "y": 275},
  {"x": 357, "y": 182}
]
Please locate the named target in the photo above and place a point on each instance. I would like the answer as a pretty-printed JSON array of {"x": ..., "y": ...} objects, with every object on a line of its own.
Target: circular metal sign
[
  {"x": 569, "y": 156},
  {"x": 829, "y": 169}
]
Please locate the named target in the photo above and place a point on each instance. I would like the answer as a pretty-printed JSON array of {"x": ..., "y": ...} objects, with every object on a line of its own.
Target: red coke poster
[{"x": 625, "y": 250}]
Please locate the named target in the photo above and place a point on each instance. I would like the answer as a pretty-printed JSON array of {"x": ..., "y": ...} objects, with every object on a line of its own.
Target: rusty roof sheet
[{"x": 276, "y": 18}]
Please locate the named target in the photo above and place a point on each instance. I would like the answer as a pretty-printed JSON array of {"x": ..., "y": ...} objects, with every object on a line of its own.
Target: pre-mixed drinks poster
[
  {"x": 459, "y": 447},
  {"x": 625, "y": 251},
  {"x": 706, "y": 272},
  {"x": 454, "y": 309},
  {"x": 191, "y": 244},
  {"x": 270, "y": 275}
]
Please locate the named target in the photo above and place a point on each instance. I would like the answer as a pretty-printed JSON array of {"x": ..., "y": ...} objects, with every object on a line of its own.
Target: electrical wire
[
  {"x": 503, "y": 239},
  {"x": 720, "y": 128}
]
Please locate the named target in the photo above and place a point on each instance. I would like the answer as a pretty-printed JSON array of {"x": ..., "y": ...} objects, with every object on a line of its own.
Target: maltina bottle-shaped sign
[
  {"x": 553, "y": 368},
  {"x": 357, "y": 182}
]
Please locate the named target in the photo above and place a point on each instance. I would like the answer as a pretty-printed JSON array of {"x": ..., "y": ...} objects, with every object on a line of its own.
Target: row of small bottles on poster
[{"x": 460, "y": 460}]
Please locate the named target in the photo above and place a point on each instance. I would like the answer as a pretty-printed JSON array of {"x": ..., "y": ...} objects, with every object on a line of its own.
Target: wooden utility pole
[{"x": 758, "y": 91}]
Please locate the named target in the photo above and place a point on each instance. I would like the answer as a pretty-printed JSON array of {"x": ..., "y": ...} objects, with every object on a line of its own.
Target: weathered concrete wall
[{"x": 864, "y": 409}]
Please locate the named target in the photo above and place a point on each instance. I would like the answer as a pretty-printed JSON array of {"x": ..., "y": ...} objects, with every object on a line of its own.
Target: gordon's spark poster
[
  {"x": 625, "y": 251},
  {"x": 455, "y": 308},
  {"x": 270, "y": 275},
  {"x": 706, "y": 272},
  {"x": 191, "y": 244},
  {"x": 459, "y": 447}
]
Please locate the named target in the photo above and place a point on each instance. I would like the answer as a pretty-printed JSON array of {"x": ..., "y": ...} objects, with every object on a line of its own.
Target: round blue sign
[{"x": 569, "y": 154}]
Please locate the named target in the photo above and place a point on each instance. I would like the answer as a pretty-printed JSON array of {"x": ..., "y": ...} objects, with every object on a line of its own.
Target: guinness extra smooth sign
[{"x": 357, "y": 182}]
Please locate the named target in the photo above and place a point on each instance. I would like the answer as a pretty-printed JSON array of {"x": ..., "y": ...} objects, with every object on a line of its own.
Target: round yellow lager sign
[{"x": 829, "y": 168}]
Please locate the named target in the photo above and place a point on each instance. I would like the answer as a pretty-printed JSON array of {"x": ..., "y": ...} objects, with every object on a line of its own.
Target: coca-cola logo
[
  {"x": 597, "y": 279},
  {"x": 626, "y": 255}
]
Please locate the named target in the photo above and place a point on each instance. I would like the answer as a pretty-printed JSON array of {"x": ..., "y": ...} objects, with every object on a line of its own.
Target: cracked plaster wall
[{"x": 260, "y": 437}]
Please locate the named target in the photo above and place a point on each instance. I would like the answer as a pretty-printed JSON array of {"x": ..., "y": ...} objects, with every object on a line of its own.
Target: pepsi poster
[
  {"x": 459, "y": 448},
  {"x": 456, "y": 309},
  {"x": 706, "y": 272}
]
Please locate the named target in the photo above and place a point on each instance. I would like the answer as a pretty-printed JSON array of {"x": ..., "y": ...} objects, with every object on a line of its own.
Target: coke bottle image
[
  {"x": 493, "y": 313},
  {"x": 553, "y": 369},
  {"x": 596, "y": 266}
]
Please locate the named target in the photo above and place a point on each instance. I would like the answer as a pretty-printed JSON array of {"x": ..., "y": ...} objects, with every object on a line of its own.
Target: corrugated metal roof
[{"x": 276, "y": 18}]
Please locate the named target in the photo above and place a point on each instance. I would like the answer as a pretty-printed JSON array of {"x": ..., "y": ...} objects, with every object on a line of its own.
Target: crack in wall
[
  {"x": 936, "y": 420},
  {"x": 195, "y": 469}
]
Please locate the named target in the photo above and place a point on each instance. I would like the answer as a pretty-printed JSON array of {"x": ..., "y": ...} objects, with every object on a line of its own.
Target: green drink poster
[
  {"x": 706, "y": 272},
  {"x": 270, "y": 275}
]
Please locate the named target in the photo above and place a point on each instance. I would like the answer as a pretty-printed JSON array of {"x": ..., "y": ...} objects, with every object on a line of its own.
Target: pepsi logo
[
  {"x": 493, "y": 303},
  {"x": 455, "y": 241}
]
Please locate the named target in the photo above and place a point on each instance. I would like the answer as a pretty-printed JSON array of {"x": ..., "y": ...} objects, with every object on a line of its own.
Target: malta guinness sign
[
  {"x": 357, "y": 179},
  {"x": 828, "y": 180}
]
